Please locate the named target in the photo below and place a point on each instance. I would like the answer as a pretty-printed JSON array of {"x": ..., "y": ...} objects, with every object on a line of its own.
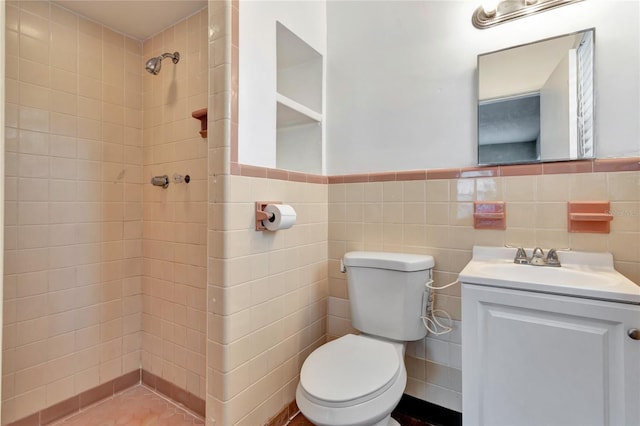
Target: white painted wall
[
  {"x": 401, "y": 79},
  {"x": 521, "y": 69},
  {"x": 555, "y": 111},
  {"x": 257, "y": 72}
]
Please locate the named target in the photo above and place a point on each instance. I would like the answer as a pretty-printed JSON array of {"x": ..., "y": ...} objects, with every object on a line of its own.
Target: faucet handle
[
  {"x": 537, "y": 258},
  {"x": 521, "y": 257},
  {"x": 552, "y": 258}
]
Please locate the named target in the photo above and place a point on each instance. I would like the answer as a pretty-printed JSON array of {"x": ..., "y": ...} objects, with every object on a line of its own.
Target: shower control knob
[
  {"x": 187, "y": 179},
  {"x": 634, "y": 333},
  {"x": 162, "y": 181}
]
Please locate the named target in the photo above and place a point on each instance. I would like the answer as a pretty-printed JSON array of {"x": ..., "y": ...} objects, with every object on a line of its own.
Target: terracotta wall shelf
[
  {"x": 201, "y": 115},
  {"x": 489, "y": 215},
  {"x": 589, "y": 216}
]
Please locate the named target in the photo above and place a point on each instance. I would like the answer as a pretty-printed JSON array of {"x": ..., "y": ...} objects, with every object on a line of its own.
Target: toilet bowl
[
  {"x": 357, "y": 380},
  {"x": 354, "y": 381}
]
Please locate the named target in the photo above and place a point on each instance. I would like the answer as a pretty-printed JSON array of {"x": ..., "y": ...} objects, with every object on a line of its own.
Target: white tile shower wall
[
  {"x": 73, "y": 248},
  {"x": 268, "y": 298},
  {"x": 175, "y": 218},
  {"x": 436, "y": 217}
]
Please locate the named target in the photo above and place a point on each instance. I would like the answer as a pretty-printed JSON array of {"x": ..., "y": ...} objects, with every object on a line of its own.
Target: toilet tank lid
[{"x": 395, "y": 261}]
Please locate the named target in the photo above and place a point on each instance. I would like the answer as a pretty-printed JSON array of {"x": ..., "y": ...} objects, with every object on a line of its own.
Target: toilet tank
[{"x": 386, "y": 293}]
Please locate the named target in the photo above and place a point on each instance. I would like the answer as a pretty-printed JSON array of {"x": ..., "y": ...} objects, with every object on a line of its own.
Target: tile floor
[
  {"x": 137, "y": 406},
  {"x": 140, "y": 406}
]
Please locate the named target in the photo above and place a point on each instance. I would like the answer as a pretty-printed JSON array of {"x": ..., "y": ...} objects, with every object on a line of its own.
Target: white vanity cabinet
[
  {"x": 530, "y": 358},
  {"x": 549, "y": 346}
]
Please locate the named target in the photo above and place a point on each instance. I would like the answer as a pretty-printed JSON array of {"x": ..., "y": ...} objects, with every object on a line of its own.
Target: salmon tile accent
[
  {"x": 235, "y": 20},
  {"x": 148, "y": 379},
  {"x": 412, "y": 175},
  {"x": 521, "y": 170},
  {"x": 566, "y": 167},
  {"x": 32, "y": 420},
  {"x": 489, "y": 215},
  {"x": 617, "y": 165},
  {"x": 235, "y": 169},
  {"x": 473, "y": 172},
  {"x": 382, "y": 177},
  {"x": 94, "y": 395},
  {"x": 253, "y": 171},
  {"x": 316, "y": 179},
  {"x": 60, "y": 410},
  {"x": 234, "y": 142},
  {"x": 189, "y": 400},
  {"x": 277, "y": 174},
  {"x": 297, "y": 177},
  {"x": 589, "y": 216},
  {"x": 359, "y": 178},
  {"x": 125, "y": 382},
  {"x": 165, "y": 387},
  {"x": 562, "y": 167},
  {"x": 443, "y": 174}
]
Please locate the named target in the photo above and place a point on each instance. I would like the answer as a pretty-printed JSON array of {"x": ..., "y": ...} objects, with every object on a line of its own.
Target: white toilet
[{"x": 357, "y": 380}]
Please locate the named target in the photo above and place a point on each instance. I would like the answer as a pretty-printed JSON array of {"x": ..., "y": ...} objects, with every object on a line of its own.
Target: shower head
[{"x": 153, "y": 65}]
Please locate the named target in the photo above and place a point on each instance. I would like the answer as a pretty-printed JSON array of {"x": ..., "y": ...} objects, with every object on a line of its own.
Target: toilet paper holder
[{"x": 262, "y": 215}]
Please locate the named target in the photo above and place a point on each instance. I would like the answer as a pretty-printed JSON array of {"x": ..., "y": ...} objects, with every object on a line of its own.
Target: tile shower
[{"x": 104, "y": 273}]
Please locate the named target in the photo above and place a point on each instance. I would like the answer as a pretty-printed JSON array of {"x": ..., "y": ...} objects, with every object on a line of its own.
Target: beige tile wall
[
  {"x": 266, "y": 290},
  {"x": 175, "y": 219},
  {"x": 435, "y": 217},
  {"x": 268, "y": 298},
  {"x": 73, "y": 259}
]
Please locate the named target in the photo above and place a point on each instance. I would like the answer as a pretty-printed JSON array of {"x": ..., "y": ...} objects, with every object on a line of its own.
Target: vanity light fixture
[{"x": 494, "y": 12}]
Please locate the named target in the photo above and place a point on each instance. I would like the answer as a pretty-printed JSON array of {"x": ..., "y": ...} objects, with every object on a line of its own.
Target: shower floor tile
[{"x": 138, "y": 406}]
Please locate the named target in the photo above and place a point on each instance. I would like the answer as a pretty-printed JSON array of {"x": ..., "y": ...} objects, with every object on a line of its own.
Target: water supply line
[{"x": 430, "y": 318}]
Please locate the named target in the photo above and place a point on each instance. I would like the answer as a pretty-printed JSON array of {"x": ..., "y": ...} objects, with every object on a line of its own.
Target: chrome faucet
[
  {"x": 521, "y": 257},
  {"x": 537, "y": 257},
  {"x": 552, "y": 258}
]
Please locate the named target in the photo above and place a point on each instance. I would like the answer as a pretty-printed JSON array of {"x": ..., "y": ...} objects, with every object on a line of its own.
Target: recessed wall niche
[{"x": 299, "y": 138}]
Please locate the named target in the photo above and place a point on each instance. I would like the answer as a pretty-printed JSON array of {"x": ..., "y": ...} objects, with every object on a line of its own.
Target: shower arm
[{"x": 175, "y": 56}]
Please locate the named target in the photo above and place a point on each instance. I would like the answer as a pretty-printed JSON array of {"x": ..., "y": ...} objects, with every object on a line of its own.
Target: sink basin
[
  {"x": 582, "y": 274},
  {"x": 568, "y": 275}
]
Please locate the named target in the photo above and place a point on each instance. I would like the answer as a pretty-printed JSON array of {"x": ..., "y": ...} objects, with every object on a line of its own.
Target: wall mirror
[{"x": 535, "y": 101}]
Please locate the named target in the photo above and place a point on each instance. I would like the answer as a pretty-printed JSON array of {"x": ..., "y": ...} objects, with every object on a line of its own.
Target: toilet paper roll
[{"x": 284, "y": 217}]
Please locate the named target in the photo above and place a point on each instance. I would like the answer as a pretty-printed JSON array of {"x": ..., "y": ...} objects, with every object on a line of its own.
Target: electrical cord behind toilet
[{"x": 430, "y": 318}]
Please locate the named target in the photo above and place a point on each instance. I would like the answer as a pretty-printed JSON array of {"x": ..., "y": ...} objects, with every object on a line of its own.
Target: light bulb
[{"x": 490, "y": 7}]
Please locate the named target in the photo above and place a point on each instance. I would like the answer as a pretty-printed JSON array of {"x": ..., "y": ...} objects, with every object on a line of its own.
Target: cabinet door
[{"x": 540, "y": 359}]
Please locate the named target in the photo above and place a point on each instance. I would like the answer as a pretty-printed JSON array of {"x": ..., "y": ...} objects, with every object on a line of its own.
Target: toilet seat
[{"x": 350, "y": 370}]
